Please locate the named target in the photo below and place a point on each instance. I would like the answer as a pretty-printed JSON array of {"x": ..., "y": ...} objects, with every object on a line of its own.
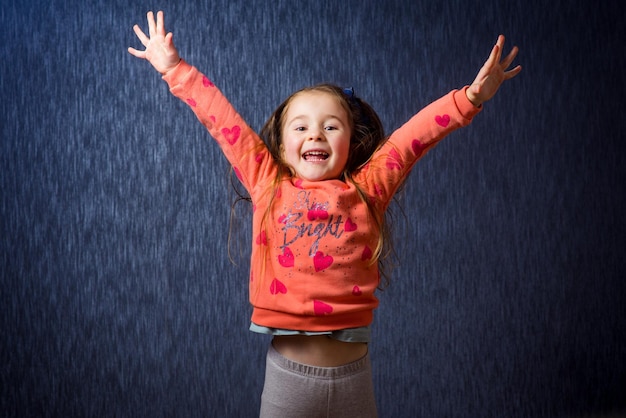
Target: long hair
[{"x": 367, "y": 136}]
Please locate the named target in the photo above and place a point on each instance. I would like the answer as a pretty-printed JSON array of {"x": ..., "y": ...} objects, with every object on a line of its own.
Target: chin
[{"x": 321, "y": 177}]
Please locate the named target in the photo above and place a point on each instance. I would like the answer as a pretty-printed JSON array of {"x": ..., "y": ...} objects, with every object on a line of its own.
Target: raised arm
[
  {"x": 392, "y": 162},
  {"x": 243, "y": 148},
  {"x": 160, "y": 50}
]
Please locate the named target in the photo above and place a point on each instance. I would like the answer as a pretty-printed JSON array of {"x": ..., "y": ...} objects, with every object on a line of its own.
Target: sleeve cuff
[
  {"x": 464, "y": 105},
  {"x": 177, "y": 74}
]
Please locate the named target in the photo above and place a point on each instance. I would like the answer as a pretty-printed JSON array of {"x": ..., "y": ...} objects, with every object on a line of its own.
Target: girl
[{"x": 320, "y": 180}]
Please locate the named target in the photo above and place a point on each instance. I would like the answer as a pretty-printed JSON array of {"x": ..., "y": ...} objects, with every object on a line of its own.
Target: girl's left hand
[
  {"x": 492, "y": 74},
  {"x": 160, "y": 50}
]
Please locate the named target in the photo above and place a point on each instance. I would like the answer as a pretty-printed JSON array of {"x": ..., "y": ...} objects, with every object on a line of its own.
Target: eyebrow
[{"x": 304, "y": 116}]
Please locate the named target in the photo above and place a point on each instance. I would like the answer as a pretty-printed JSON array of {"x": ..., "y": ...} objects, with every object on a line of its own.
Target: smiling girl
[{"x": 320, "y": 177}]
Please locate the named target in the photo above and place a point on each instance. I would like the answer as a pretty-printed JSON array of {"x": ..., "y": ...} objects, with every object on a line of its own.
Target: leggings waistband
[{"x": 338, "y": 372}]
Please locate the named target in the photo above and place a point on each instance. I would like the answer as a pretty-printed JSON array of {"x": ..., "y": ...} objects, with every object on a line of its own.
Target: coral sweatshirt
[{"x": 311, "y": 267}]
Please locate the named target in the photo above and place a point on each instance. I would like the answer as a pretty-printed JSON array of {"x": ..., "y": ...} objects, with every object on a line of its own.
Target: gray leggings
[{"x": 297, "y": 390}]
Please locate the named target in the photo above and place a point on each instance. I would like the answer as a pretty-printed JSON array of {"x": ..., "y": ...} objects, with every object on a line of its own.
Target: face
[{"x": 316, "y": 136}]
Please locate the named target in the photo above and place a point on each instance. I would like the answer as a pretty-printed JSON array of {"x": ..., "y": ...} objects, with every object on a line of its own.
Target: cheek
[{"x": 288, "y": 149}]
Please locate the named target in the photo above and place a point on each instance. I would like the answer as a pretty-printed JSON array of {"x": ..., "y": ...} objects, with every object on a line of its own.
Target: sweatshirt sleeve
[
  {"x": 391, "y": 164},
  {"x": 243, "y": 148}
]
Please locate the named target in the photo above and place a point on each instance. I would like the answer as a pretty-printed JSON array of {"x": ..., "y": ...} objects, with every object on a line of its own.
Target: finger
[
  {"x": 512, "y": 73},
  {"x": 136, "y": 53},
  {"x": 142, "y": 36},
  {"x": 168, "y": 39},
  {"x": 151, "y": 24},
  {"x": 500, "y": 45},
  {"x": 493, "y": 57},
  {"x": 160, "y": 28}
]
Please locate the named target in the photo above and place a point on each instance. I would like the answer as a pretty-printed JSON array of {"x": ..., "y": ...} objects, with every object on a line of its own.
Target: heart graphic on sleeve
[
  {"x": 206, "y": 82},
  {"x": 366, "y": 254},
  {"x": 394, "y": 161},
  {"x": 350, "y": 226},
  {"x": 442, "y": 120},
  {"x": 286, "y": 259},
  {"x": 231, "y": 135},
  {"x": 356, "y": 291},
  {"x": 321, "y": 261},
  {"x": 277, "y": 287},
  {"x": 192, "y": 102},
  {"x": 320, "y": 308},
  {"x": 418, "y": 147}
]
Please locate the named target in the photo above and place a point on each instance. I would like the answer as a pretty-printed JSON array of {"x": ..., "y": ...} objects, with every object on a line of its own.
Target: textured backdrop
[{"x": 117, "y": 296}]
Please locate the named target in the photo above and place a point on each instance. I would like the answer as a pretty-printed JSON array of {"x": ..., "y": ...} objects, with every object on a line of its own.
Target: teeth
[{"x": 315, "y": 155}]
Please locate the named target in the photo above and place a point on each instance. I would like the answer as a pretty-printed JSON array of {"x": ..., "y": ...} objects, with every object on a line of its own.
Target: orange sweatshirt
[{"x": 311, "y": 264}]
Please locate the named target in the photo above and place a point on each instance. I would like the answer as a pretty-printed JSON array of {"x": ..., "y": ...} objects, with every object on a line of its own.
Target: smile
[{"x": 315, "y": 156}]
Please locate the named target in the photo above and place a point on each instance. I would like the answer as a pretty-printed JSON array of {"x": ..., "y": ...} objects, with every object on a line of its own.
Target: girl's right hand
[{"x": 160, "y": 50}]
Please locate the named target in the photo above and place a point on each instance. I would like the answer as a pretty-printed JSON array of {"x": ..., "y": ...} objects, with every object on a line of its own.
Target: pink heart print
[
  {"x": 206, "y": 82},
  {"x": 231, "y": 135},
  {"x": 350, "y": 226},
  {"x": 356, "y": 291},
  {"x": 418, "y": 147},
  {"x": 320, "y": 308},
  {"x": 192, "y": 102},
  {"x": 314, "y": 214},
  {"x": 321, "y": 261},
  {"x": 261, "y": 239},
  {"x": 366, "y": 254},
  {"x": 442, "y": 120},
  {"x": 277, "y": 287},
  {"x": 394, "y": 161},
  {"x": 286, "y": 259}
]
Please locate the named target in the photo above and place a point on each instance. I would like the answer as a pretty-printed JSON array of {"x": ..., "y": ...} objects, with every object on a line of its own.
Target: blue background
[{"x": 117, "y": 296}]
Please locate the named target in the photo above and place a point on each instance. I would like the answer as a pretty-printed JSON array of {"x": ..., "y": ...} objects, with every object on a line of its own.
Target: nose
[{"x": 316, "y": 134}]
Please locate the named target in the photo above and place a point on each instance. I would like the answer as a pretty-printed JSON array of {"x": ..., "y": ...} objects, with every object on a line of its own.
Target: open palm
[{"x": 160, "y": 50}]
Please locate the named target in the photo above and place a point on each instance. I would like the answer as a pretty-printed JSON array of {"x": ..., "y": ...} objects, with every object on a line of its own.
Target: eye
[
  {"x": 300, "y": 129},
  {"x": 330, "y": 128}
]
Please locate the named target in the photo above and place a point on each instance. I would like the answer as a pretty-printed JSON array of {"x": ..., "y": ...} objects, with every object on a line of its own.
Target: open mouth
[{"x": 315, "y": 156}]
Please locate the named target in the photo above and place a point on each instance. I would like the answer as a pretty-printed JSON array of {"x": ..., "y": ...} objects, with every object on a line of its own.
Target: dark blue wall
[{"x": 117, "y": 297}]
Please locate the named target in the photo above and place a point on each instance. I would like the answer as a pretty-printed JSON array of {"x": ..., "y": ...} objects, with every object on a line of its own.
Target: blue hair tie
[{"x": 356, "y": 102}]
